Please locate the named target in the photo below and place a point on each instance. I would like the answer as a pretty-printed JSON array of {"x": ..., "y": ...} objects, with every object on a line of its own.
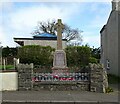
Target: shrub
[
  {"x": 78, "y": 55},
  {"x": 93, "y": 60},
  {"x": 108, "y": 90},
  {"x": 39, "y": 55}
]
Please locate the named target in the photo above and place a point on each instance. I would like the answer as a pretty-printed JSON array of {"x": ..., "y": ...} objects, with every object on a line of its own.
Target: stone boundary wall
[
  {"x": 81, "y": 86},
  {"x": 25, "y": 76},
  {"x": 98, "y": 78},
  {"x": 97, "y": 81}
]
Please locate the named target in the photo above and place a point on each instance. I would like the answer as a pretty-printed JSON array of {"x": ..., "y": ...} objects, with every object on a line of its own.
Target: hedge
[
  {"x": 39, "y": 55},
  {"x": 78, "y": 55}
]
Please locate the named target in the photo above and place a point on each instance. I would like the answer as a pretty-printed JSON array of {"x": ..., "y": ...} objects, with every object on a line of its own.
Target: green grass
[
  {"x": 8, "y": 67},
  {"x": 113, "y": 79}
]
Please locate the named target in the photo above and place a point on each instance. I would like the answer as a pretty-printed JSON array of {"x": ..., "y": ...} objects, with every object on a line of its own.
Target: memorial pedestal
[{"x": 59, "y": 62}]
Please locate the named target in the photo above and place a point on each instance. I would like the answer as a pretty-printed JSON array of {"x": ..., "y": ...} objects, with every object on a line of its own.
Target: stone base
[
  {"x": 60, "y": 70},
  {"x": 59, "y": 60},
  {"x": 61, "y": 86}
]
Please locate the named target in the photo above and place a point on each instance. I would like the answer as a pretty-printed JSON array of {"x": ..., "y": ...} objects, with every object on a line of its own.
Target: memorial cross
[{"x": 59, "y": 28}]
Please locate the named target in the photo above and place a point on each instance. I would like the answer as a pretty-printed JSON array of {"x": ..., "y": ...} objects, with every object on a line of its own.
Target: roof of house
[
  {"x": 47, "y": 35},
  {"x": 102, "y": 29},
  {"x": 42, "y": 36}
]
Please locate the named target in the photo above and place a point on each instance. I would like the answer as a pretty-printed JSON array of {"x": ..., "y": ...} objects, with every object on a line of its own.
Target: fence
[
  {"x": 8, "y": 63},
  {"x": 93, "y": 80},
  {"x": 60, "y": 77}
]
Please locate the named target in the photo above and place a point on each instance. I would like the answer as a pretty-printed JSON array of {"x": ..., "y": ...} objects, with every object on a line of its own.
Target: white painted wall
[
  {"x": 8, "y": 81},
  {"x": 52, "y": 43}
]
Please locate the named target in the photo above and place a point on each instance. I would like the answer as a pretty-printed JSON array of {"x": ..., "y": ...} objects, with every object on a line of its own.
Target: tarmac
[{"x": 59, "y": 97}]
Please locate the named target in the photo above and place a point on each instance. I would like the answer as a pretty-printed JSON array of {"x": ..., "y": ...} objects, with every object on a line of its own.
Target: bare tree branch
[{"x": 68, "y": 32}]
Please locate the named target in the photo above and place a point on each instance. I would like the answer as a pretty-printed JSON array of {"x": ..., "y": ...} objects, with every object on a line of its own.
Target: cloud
[
  {"x": 91, "y": 34},
  {"x": 28, "y": 17},
  {"x": 2, "y": 36},
  {"x": 55, "y": 0},
  {"x": 99, "y": 15},
  {"x": 20, "y": 22},
  {"x": 91, "y": 39},
  {"x": 5, "y": 4},
  {"x": 102, "y": 15}
]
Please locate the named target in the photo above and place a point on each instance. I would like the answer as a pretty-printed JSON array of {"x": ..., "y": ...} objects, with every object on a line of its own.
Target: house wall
[
  {"x": 8, "y": 81},
  {"x": 112, "y": 44},
  {"x": 109, "y": 43},
  {"x": 119, "y": 41},
  {"x": 52, "y": 43},
  {"x": 104, "y": 48}
]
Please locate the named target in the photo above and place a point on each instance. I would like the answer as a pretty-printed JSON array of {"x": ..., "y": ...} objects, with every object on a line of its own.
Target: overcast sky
[{"x": 19, "y": 19}]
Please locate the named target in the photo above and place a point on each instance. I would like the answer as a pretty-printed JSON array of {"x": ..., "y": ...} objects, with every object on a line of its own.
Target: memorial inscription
[{"x": 59, "y": 59}]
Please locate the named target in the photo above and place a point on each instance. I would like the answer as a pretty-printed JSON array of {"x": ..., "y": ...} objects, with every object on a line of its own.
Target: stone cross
[
  {"x": 59, "y": 61},
  {"x": 59, "y": 28}
]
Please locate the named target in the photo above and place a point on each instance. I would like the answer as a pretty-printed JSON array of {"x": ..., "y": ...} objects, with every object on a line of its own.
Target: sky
[{"x": 19, "y": 19}]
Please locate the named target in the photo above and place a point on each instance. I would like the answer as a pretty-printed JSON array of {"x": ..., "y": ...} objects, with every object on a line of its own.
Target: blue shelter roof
[{"x": 47, "y": 35}]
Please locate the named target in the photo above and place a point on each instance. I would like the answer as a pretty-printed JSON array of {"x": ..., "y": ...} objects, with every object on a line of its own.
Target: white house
[{"x": 44, "y": 39}]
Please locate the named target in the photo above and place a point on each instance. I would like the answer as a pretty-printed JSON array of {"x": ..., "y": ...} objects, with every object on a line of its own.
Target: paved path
[{"x": 58, "y": 96}]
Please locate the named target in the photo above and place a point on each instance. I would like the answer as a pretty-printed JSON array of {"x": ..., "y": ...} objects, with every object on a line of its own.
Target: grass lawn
[{"x": 7, "y": 67}]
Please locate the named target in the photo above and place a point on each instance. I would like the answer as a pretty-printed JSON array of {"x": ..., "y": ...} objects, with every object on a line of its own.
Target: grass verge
[{"x": 8, "y": 67}]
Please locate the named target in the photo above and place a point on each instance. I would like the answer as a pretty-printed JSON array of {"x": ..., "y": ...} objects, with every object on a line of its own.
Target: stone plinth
[{"x": 59, "y": 62}]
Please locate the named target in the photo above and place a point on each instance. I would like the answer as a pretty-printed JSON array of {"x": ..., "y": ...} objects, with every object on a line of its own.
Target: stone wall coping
[{"x": 7, "y": 71}]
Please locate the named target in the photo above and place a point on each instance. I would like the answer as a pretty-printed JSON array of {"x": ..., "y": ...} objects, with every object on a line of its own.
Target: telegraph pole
[{"x": 1, "y": 55}]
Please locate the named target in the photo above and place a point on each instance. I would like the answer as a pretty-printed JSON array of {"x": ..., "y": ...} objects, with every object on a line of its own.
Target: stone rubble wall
[
  {"x": 83, "y": 86},
  {"x": 97, "y": 80},
  {"x": 24, "y": 76}
]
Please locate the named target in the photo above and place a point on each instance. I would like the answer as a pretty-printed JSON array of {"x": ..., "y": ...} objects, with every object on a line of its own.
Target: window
[{"x": 108, "y": 65}]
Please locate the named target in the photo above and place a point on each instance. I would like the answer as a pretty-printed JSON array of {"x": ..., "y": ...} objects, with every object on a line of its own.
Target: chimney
[{"x": 115, "y": 4}]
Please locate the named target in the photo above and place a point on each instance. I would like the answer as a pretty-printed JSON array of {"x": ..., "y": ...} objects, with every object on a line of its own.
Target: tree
[
  {"x": 8, "y": 54},
  {"x": 96, "y": 53},
  {"x": 71, "y": 34},
  {"x": 6, "y": 51},
  {"x": 68, "y": 32}
]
